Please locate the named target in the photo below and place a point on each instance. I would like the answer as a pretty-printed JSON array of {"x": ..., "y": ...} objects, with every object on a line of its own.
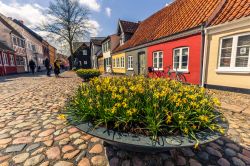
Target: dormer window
[{"x": 122, "y": 39}]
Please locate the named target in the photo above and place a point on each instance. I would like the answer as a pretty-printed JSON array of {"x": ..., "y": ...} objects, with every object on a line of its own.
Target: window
[
  {"x": 14, "y": 41},
  {"x": 108, "y": 60},
  {"x": 118, "y": 62},
  {"x": 235, "y": 53},
  {"x": 114, "y": 64},
  {"x": 122, "y": 62},
  {"x": 0, "y": 59},
  {"x": 106, "y": 46},
  {"x": 84, "y": 52},
  {"x": 5, "y": 59},
  {"x": 122, "y": 39},
  {"x": 130, "y": 63},
  {"x": 12, "y": 60},
  {"x": 20, "y": 61},
  {"x": 85, "y": 62},
  {"x": 22, "y": 43},
  {"x": 158, "y": 60},
  {"x": 181, "y": 59}
]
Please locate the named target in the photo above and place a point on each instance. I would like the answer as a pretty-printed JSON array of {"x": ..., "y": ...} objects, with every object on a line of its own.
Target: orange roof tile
[
  {"x": 182, "y": 15},
  {"x": 232, "y": 10}
]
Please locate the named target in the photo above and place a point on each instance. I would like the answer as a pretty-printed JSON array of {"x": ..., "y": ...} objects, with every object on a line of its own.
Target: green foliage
[
  {"x": 88, "y": 73},
  {"x": 152, "y": 107}
]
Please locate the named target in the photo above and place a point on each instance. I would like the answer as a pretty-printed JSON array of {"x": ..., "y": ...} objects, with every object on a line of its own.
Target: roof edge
[{"x": 182, "y": 34}]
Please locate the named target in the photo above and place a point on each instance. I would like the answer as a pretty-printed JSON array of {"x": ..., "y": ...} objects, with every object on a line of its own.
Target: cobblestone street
[{"x": 31, "y": 134}]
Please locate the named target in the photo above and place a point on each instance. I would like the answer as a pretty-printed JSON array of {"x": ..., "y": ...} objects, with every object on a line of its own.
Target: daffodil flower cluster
[{"x": 149, "y": 106}]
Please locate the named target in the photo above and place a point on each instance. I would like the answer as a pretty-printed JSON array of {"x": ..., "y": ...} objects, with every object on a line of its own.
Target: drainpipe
[
  {"x": 205, "y": 59},
  {"x": 202, "y": 52}
]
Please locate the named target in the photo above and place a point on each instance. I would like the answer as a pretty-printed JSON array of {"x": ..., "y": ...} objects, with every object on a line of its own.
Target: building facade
[
  {"x": 227, "y": 56},
  {"x": 181, "y": 54},
  {"x": 95, "y": 47},
  {"x": 7, "y": 60},
  {"x": 136, "y": 62},
  {"x": 125, "y": 31},
  {"x": 33, "y": 42},
  {"x": 16, "y": 42},
  {"x": 108, "y": 46},
  {"x": 81, "y": 57}
]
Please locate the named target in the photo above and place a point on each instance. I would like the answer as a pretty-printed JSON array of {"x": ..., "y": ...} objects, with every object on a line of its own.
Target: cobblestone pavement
[{"x": 31, "y": 134}]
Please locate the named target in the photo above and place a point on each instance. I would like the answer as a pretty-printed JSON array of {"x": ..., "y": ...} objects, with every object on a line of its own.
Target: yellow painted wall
[
  {"x": 119, "y": 70},
  {"x": 101, "y": 64},
  {"x": 224, "y": 79}
]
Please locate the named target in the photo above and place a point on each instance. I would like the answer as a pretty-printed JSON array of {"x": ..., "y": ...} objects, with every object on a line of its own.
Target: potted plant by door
[{"x": 143, "y": 114}]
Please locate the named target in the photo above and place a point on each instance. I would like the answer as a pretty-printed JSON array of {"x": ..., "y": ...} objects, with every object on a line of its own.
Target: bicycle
[{"x": 172, "y": 74}]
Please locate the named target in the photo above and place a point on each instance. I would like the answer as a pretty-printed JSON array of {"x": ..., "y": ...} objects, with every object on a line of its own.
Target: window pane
[
  {"x": 227, "y": 43},
  {"x": 244, "y": 40},
  {"x": 185, "y": 52},
  {"x": 160, "y": 62},
  {"x": 241, "y": 62},
  {"x": 242, "y": 51},
  {"x": 227, "y": 52},
  {"x": 225, "y": 62},
  {"x": 176, "y": 58},
  {"x": 184, "y": 62},
  {"x": 155, "y": 60}
]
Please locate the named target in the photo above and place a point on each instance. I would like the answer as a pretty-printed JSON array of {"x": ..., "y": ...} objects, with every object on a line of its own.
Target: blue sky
[{"x": 104, "y": 13}]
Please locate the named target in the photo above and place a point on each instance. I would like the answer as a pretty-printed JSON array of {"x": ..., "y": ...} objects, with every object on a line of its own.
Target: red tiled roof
[
  {"x": 182, "y": 15},
  {"x": 232, "y": 10},
  {"x": 129, "y": 27}
]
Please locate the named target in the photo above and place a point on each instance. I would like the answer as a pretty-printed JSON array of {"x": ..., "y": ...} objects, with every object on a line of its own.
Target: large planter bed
[
  {"x": 140, "y": 143},
  {"x": 146, "y": 115}
]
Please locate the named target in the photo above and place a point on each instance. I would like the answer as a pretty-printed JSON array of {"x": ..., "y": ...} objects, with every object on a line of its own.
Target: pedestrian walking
[
  {"x": 57, "y": 68},
  {"x": 47, "y": 65},
  {"x": 32, "y": 66}
]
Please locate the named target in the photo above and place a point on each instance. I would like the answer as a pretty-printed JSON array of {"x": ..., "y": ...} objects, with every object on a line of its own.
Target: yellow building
[
  {"x": 118, "y": 63},
  {"x": 100, "y": 64},
  {"x": 227, "y": 56},
  {"x": 52, "y": 54}
]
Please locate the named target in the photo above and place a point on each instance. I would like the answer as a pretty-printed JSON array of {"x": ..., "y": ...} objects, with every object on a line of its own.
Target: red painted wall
[
  {"x": 194, "y": 44},
  {"x": 5, "y": 70}
]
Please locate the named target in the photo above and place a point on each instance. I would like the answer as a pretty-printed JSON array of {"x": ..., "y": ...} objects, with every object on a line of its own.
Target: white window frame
[
  {"x": 130, "y": 63},
  {"x": 233, "y": 68},
  {"x": 12, "y": 60},
  {"x": 1, "y": 63},
  {"x": 180, "y": 59},
  {"x": 84, "y": 52},
  {"x": 85, "y": 62},
  {"x": 114, "y": 63},
  {"x": 5, "y": 59},
  {"x": 123, "y": 62},
  {"x": 158, "y": 60}
]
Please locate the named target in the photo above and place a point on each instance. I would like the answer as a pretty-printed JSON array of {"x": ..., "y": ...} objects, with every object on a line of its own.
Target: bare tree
[{"x": 69, "y": 21}]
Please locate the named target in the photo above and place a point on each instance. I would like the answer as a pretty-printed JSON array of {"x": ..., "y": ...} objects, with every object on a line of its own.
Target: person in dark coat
[
  {"x": 47, "y": 65},
  {"x": 57, "y": 68},
  {"x": 32, "y": 66}
]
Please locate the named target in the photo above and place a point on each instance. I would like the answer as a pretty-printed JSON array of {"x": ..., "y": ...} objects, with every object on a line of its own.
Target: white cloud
[
  {"x": 31, "y": 14},
  {"x": 108, "y": 11},
  {"x": 34, "y": 15},
  {"x": 91, "y": 4},
  {"x": 94, "y": 27}
]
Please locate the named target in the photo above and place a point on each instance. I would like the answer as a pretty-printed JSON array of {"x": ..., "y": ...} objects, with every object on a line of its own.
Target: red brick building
[{"x": 7, "y": 60}]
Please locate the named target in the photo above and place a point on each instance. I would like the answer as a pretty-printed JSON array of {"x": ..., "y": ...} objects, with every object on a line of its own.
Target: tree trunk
[{"x": 71, "y": 56}]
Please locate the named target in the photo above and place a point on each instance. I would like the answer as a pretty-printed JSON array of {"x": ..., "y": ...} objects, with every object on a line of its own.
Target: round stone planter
[{"x": 140, "y": 143}]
